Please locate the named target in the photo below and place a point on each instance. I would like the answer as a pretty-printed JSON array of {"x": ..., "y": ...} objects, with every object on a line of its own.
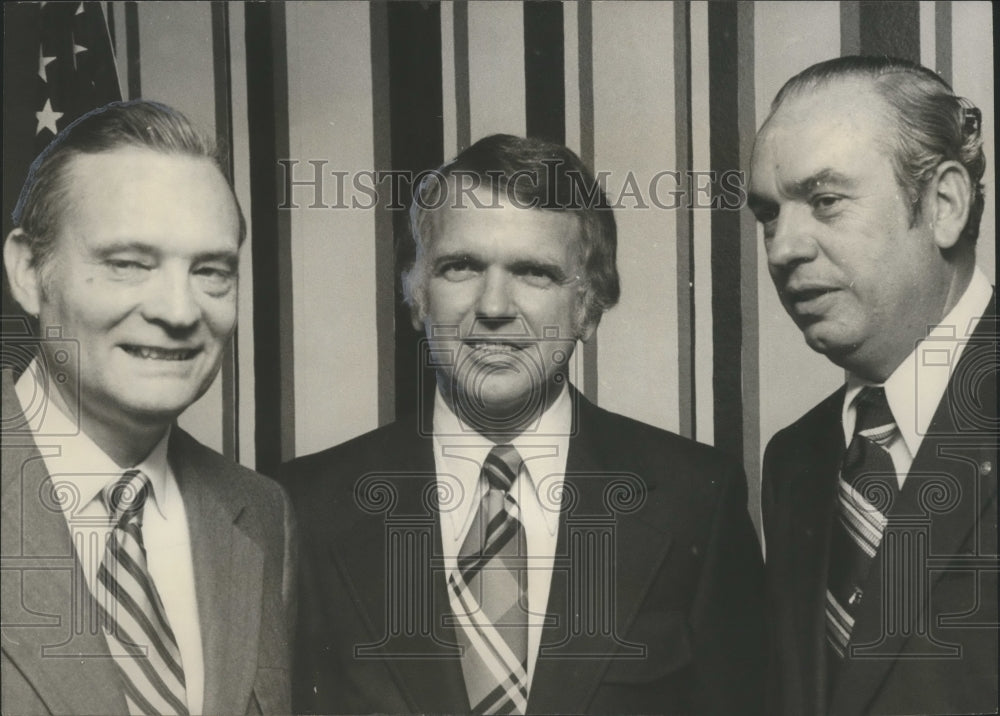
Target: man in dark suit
[
  {"x": 879, "y": 505},
  {"x": 513, "y": 548},
  {"x": 142, "y": 572}
]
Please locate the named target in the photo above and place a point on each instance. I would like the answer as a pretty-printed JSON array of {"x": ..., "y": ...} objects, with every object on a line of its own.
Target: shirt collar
[
  {"x": 460, "y": 452},
  {"x": 64, "y": 445},
  {"x": 914, "y": 390}
]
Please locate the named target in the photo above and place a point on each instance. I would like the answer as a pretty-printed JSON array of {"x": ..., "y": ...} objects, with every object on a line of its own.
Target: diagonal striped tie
[
  {"x": 138, "y": 634},
  {"x": 866, "y": 490},
  {"x": 491, "y": 585}
]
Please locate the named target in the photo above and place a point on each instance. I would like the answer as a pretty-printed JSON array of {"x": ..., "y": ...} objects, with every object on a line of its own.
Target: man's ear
[
  {"x": 22, "y": 273},
  {"x": 950, "y": 202}
]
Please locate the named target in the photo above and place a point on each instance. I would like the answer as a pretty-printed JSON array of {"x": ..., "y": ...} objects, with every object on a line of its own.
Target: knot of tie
[
  {"x": 874, "y": 418},
  {"x": 502, "y": 466},
  {"x": 127, "y": 496}
]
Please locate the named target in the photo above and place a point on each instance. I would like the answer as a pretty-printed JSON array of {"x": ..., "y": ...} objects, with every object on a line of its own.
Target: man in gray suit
[{"x": 142, "y": 572}]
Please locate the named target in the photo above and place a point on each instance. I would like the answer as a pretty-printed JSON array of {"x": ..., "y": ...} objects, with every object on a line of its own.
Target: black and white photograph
[{"x": 499, "y": 357}]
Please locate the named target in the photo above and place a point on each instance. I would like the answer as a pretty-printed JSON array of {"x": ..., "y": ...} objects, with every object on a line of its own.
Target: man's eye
[
  {"x": 459, "y": 270},
  {"x": 537, "y": 276},
  {"x": 126, "y": 267},
  {"x": 826, "y": 204},
  {"x": 216, "y": 279}
]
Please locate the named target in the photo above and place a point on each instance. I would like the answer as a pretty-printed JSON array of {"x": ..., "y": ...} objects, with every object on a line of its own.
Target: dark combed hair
[
  {"x": 537, "y": 175},
  {"x": 932, "y": 124},
  {"x": 118, "y": 125}
]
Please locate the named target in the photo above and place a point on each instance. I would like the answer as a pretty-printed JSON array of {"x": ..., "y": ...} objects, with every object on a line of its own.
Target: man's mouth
[
  {"x": 803, "y": 295},
  {"x": 495, "y": 346},
  {"x": 154, "y": 353}
]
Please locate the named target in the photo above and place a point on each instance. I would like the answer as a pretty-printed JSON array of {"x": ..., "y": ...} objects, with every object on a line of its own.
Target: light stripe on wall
[
  {"x": 449, "y": 110},
  {"x": 496, "y": 68},
  {"x": 571, "y": 92},
  {"x": 333, "y": 251},
  {"x": 704, "y": 428},
  {"x": 240, "y": 152},
  {"x": 634, "y": 141}
]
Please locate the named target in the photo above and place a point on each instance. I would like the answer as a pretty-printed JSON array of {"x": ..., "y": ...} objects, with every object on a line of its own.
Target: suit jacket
[
  {"x": 242, "y": 539},
  {"x": 927, "y": 623},
  {"x": 668, "y": 619}
]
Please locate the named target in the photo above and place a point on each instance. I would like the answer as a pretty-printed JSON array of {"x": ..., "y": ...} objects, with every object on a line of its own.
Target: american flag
[{"x": 59, "y": 63}]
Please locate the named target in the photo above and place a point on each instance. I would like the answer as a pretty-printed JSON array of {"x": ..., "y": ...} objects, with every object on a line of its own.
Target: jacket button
[
  {"x": 985, "y": 468},
  {"x": 855, "y": 597}
]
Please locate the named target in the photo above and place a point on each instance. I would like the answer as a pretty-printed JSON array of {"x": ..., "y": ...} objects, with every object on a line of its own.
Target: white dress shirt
[
  {"x": 80, "y": 471},
  {"x": 459, "y": 453},
  {"x": 915, "y": 388}
]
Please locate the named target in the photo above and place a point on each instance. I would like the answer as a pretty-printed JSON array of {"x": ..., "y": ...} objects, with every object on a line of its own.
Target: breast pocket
[{"x": 666, "y": 638}]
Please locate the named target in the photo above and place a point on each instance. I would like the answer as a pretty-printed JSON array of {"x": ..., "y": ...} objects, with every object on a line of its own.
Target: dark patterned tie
[
  {"x": 138, "y": 634},
  {"x": 866, "y": 489},
  {"x": 491, "y": 585}
]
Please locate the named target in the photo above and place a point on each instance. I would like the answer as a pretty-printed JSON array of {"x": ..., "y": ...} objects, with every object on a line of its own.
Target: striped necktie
[
  {"x": 866, "y": 490},
  {"x": 491, "y": 585},
  {"x": 138, "y": 634}
]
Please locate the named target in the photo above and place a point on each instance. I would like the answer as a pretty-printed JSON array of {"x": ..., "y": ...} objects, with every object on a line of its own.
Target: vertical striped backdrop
[{"x": 307, "y": 95}]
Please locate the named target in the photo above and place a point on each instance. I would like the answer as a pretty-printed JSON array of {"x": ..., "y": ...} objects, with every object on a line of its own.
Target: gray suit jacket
[{"x": 242, "y": 536}]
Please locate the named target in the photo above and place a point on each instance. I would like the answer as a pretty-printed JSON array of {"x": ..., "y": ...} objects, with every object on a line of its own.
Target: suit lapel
[
  {"x": 45, "y": 597},
  {"x": 811, "y": 504},
  {"x": 947, "y": 466},
  {"x": 426, "y": 669},
  {"x": 228, "y": 572},
  {"x": 580, "y": 660}
]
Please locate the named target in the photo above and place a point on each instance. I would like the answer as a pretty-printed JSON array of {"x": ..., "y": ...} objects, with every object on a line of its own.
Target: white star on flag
[
  {"x": 43, "y": 62},
  {"x": 47, "y": 118},
  {"x": 77, "y": 49}
]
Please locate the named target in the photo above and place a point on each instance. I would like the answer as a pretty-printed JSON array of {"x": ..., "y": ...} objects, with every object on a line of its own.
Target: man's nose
[
  {"x": 172, "y": 299},
  {"x": 792, "y": 241},
  {"x": 495, "y": 296}
]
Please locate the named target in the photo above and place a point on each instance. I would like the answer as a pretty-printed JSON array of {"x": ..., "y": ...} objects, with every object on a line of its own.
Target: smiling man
[
  {"x": 166, "y": 566},
  {"x": 515, "y": 548},
  {"x": 879, "y": 505}
]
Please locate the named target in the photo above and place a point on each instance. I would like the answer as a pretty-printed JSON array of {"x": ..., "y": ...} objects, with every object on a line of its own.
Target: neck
[
  {"x": 502, "y": 423},
  {"x": 128, "y": 442}
]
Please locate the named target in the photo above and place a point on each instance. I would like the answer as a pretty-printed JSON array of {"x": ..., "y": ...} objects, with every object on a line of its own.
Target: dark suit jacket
[
  {"x": 242, "y": 538},
  {"x": 939, "y": 655},
  {"x": 669, "y": 619}
]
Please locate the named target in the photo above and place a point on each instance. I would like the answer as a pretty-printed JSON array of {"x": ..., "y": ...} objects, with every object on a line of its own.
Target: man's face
[
  {"x": 503, "y": 302},
  {"x": 856, "y": 278},
  {"x": 143, "y": 276}
]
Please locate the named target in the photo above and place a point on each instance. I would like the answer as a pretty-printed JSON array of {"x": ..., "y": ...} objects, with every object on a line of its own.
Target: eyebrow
[
  {"x": 231, "y": 258},
  {"x": 804, "y": 187}
]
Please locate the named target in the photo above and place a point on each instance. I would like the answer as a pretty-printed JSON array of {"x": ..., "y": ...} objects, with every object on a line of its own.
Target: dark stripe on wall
[
  {"x": 749, "y": 356},
  {"x": 417, "y": 136},
  {"x": 223, "y": 80},
  {"x": 544, "y": 70},
  {"x": 685, "y": 221},
  {"x": 585, "y": 62},
  {"x": 463, "y": 106},
  {"x": 385, "y": 268},
  {"x": 890, "y": 28},
  {"x": 724, "y": 154},
  {"x": 850, "y": 29},
  {"x": 132, "y": 48},
  {"x": 942, "y": 39},
  {"x": 267, "y": 119}
]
